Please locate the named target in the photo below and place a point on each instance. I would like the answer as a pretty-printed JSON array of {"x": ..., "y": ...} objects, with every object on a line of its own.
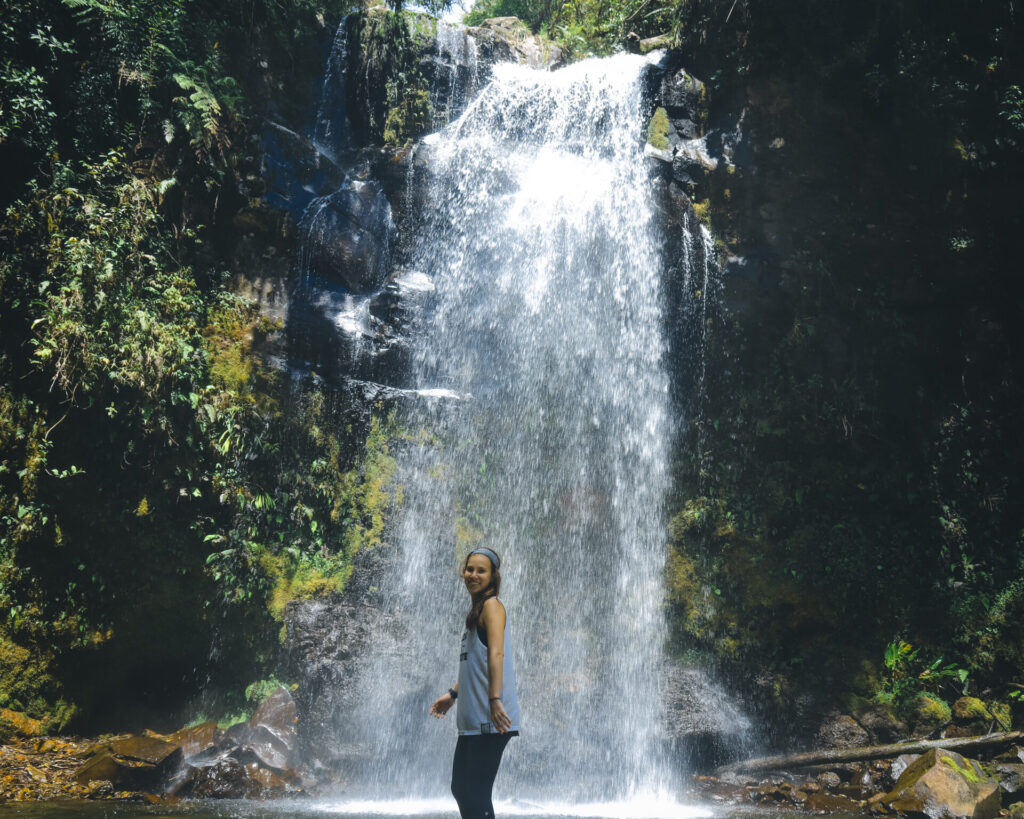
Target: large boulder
[
  {"x": 880, "y": 723},
  {"x": 841, "y": 731},
  {"x": 970, "y": 718},
  {"x": 942, "y": 785}
]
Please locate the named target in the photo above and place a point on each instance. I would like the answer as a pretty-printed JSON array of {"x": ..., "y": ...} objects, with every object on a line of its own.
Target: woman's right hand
[{"x": 442, "y": 705}]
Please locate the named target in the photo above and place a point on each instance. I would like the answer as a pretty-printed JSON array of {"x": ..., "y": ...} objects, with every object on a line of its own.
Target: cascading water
[{"x": 544, "y": 332}]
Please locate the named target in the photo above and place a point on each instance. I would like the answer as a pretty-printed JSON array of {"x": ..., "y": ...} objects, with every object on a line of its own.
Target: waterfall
[{"x": 544, "y": 337}]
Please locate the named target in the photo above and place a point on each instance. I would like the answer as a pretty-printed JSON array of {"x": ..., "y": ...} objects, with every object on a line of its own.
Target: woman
[{"x": 488, "y": 713}]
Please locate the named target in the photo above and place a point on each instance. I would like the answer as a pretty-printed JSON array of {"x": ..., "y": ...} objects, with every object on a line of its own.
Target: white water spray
[{"x": 540, "y": 251}]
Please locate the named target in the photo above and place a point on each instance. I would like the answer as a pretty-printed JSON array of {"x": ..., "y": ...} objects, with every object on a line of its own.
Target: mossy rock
[
  {"x": 1016, "y": 810},
  {"x": 657, "y": 130},
  {"x": 969, "y": 709},
  {"x": 929, "y": 712}
]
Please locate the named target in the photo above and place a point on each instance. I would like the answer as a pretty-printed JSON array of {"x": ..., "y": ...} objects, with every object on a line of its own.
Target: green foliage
[
  {"x": 908, "y": 675},
  {"x": 258, "y": 691},
  {"x": 141, "y": 433},
  {"x": 583, "y": 27}
]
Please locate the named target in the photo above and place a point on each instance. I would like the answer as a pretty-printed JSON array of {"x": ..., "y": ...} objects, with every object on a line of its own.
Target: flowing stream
[{"x": 548, "y": 442}]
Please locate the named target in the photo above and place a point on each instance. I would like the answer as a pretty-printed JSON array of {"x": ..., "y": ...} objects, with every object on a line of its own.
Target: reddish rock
[
  {"x": 272, "y": 734},
  {"x": 144, "y": 749},
  {"x": 277, "y": 714},
  {"x": 131, "y": 763},
  {"x": 195, "y": 739}
]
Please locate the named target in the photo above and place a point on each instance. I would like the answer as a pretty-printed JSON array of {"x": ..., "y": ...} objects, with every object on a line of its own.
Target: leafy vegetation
[
  {"x": 160, "y": 483},
  {"x": 849, "y": 476}
]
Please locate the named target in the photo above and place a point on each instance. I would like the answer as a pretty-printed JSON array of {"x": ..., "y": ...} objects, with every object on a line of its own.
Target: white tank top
[{"x": 473, "y": 704}]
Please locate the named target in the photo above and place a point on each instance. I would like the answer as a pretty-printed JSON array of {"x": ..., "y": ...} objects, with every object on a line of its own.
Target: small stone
[
  {"x": 99, "y": 789},
  {"x": 1011, "y": 776},
  {"x": 829, "y": 780}
]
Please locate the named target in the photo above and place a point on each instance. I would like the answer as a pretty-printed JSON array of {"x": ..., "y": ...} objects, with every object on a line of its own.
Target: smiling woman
[{"x": 489, "y": 713}]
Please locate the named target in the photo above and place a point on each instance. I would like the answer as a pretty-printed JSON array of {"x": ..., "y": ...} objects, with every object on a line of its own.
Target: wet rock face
[
  {"x": 327, "y": 641},
  {"x": 349, "y": 237},
  {"x": 507, "y": 39},
  {"x": 706, "y": 726},
  {"x": 344, "y": 315}
]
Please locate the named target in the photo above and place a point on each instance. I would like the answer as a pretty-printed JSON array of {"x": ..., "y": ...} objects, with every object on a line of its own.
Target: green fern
[{"x": 85, "y": 8}]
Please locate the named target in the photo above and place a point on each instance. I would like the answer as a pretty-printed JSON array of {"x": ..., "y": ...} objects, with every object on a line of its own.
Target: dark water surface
[{"x": 244, "y": 809}]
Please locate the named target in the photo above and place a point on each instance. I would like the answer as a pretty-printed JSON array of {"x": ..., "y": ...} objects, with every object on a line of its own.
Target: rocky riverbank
[
  {"x": 258, "y": 759},
  {"x": 247, "y": 760},
  {"x": 922, "y": 777}
]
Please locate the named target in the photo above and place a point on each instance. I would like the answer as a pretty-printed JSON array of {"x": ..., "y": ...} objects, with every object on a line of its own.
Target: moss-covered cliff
[{"x": 851, "y": 469}]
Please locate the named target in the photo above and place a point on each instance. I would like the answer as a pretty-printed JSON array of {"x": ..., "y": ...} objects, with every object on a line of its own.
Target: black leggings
[{"x": 473, "y": 771}]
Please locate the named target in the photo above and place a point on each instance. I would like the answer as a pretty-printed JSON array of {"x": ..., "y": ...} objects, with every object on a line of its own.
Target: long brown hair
[{"x": 481, "y": 597}]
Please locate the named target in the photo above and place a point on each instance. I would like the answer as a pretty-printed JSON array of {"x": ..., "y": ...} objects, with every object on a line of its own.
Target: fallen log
[{"x": 841, "y": 755}]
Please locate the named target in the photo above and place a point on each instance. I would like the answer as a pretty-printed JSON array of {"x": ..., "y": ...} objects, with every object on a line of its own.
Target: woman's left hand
[{"x": 499, "y": 718}]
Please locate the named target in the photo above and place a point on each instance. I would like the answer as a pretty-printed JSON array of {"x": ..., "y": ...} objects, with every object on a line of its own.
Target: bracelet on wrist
[
  {"x": 495, "y": 698},
  {"x": 454, "y": 693}
]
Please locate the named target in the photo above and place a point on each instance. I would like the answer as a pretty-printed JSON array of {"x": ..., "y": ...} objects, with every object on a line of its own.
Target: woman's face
[{"x": 477, "y": 574}]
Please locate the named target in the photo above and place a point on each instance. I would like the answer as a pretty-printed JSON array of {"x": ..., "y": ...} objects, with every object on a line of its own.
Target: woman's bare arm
[
  {"x": 493, "y": 619},
  {"x": 444, "y": 703}
]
